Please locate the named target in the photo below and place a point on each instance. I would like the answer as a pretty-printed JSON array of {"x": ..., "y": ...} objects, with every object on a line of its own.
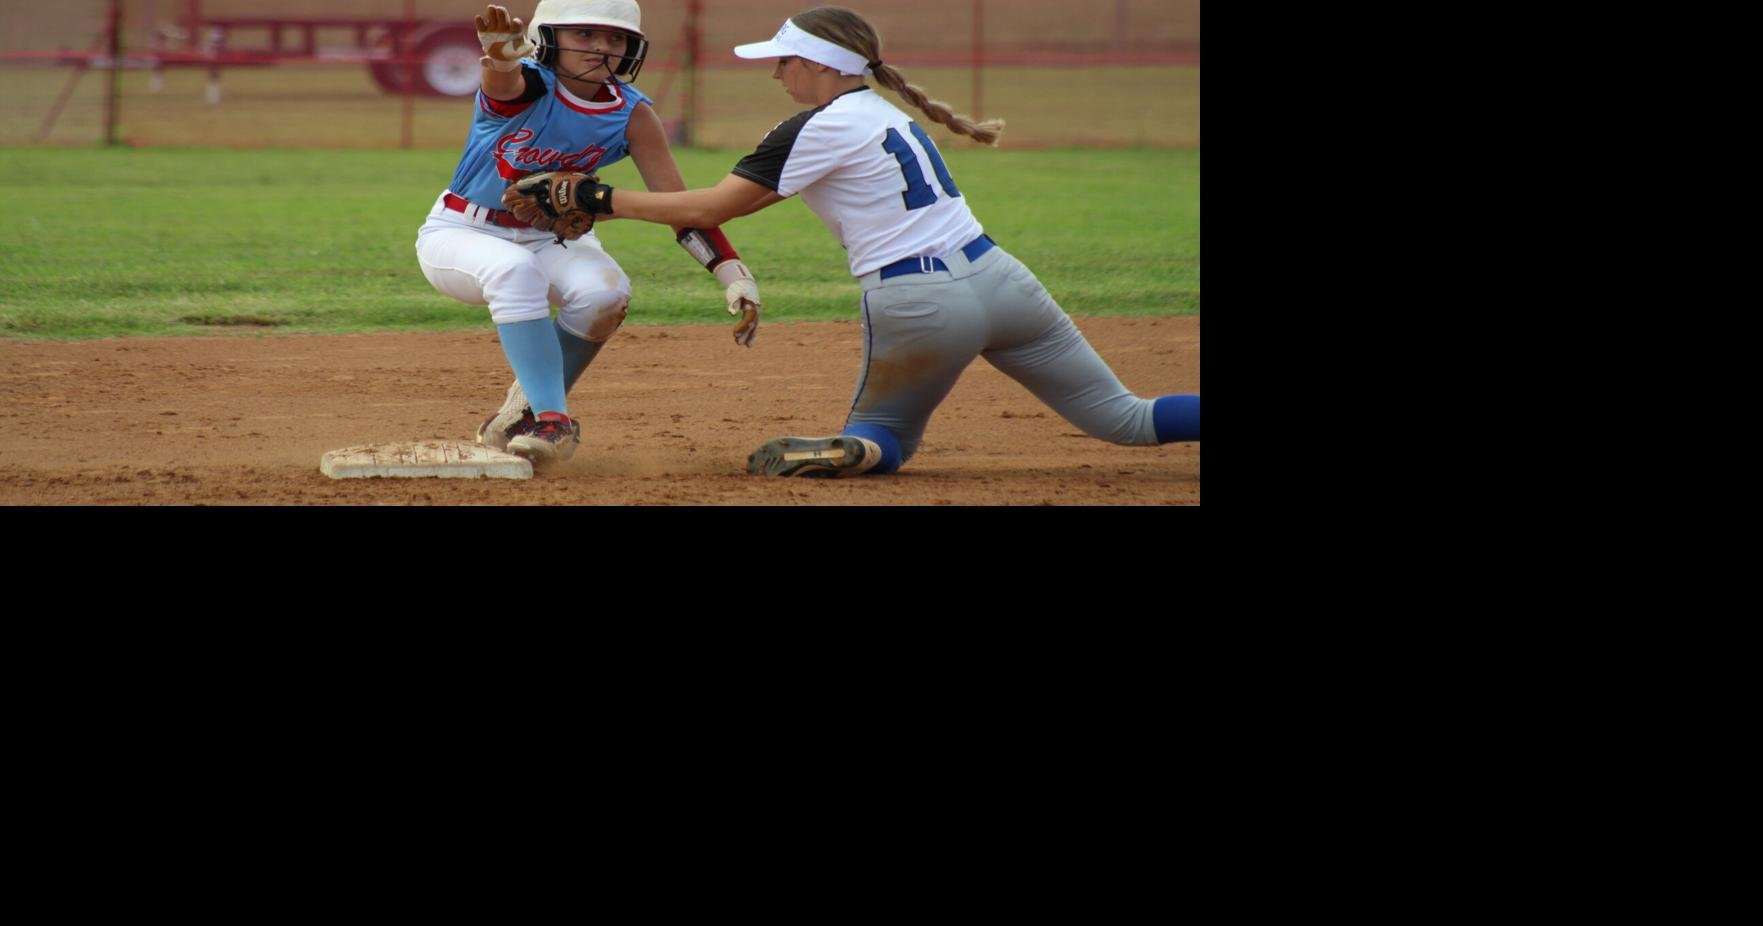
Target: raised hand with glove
[{"x": 503, "y": 38}]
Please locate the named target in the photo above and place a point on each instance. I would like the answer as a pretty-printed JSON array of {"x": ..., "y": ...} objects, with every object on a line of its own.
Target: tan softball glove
[{"x": 563, "y": 203}]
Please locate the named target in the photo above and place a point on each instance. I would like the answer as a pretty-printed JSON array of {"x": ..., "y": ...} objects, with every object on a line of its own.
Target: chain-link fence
[{"x": 390, "y": 73}]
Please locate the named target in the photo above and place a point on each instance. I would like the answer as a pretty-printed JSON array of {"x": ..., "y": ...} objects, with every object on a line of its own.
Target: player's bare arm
[
  {"x": 734, "y": 197},
  {"x": 706, "y": 243},
  {"x": 651, "y": 154}
]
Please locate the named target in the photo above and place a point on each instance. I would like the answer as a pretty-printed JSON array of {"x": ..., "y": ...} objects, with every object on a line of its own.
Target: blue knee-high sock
[
  {"x": 537, "y": 361},
  {"x": 885, "y": 439},
  {"x": 1177, "y": 417},
  {"x": 577, "y": 354}
]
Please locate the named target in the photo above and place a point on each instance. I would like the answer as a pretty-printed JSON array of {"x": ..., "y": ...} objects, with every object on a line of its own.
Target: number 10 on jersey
[{"x": 918, "y": 192}]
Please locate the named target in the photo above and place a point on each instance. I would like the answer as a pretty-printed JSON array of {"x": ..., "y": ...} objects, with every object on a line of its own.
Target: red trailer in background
[
  {"x": 405, "y": 56},
  {"x": 428, "y": 57}
]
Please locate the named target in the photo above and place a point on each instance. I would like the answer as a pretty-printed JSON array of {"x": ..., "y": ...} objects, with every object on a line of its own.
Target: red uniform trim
[
  {"x": 593, "y": 109},
  {"x": 501, "y": 108},
  {"x": 496, "y": 216}
]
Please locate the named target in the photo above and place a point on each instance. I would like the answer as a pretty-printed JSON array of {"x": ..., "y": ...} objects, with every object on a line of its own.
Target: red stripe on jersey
[
  {"x": 570, "y": 100},
  {"x": 501, "y": 108}
]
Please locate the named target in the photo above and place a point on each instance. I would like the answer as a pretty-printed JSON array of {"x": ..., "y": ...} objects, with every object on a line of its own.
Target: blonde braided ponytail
[{"x": 848, "y": 30}]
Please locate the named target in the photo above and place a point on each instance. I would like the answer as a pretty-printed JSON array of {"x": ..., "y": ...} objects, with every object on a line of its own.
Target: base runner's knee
[
  {"x": 608, "y": 321},
  {"x": 595, "y": 319}
]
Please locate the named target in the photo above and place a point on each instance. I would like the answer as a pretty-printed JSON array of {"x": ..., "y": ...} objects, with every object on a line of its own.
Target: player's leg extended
[
  {"x": 919, "y": 333},
  {"x": 1036, "y": 344},
  {"x": 483, "y": 268},
  {"x": 592, "y": 294},
  {"x": 918, "y": 336}
]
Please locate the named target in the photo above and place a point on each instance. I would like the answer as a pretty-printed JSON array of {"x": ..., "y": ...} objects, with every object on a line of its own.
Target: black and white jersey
[{"x": 872, "y": 175}]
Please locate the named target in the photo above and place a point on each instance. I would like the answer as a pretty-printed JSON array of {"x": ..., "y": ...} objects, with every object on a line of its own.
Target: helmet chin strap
[{"x": 607, "y": 66}]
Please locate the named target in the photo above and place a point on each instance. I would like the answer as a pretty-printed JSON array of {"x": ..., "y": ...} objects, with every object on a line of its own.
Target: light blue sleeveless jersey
[{"x": 558, "y": 131}]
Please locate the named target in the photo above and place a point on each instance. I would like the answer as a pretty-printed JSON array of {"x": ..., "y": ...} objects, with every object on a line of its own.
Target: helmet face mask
[
  {"x": 623, "y": 66},
  {"x": 620, "y": 16}
]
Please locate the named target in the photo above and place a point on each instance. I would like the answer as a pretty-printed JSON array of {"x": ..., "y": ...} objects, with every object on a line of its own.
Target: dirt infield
[{"x": 669, "y": 415}]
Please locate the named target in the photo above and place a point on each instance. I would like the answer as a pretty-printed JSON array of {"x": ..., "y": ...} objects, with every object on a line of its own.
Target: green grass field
[{"x": 113, "y": 242}]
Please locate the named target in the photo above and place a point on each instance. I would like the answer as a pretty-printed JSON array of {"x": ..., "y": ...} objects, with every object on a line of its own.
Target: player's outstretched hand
[
  {"x": 503, "y": 38},
  {"x": 741, "y": 292}
]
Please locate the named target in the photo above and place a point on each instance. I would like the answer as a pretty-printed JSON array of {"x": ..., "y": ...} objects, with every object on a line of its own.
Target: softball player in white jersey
[
  {"x": 937, "y": 291},
  {"x": 569, "y": 107}
]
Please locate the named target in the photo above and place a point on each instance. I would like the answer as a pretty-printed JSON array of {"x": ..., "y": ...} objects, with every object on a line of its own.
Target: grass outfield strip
[{"x": 113, "y": 242}]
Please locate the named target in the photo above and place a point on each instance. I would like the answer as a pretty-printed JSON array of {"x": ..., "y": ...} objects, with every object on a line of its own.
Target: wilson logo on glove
[{"x": 552, "y": 202}]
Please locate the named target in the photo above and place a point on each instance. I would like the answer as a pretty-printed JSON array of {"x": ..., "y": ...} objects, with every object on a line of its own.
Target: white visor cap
[{"x": 791, "y": 41}]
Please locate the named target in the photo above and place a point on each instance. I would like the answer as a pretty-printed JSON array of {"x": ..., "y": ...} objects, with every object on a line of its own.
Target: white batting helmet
[{"x": 616, "y": 15}]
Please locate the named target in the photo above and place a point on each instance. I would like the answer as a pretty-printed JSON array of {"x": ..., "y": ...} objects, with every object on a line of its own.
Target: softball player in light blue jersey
[
  {"x": 568, "y": 107},
  {"x": 937, "y": 291}
]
